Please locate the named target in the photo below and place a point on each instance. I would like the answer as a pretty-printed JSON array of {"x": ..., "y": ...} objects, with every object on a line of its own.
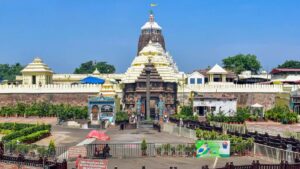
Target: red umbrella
[{"x": 98, "y": 135}]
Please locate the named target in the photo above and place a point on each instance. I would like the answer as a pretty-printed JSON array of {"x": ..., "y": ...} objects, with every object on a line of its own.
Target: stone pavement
[
  {"x": 273, "y": 128},
  {"x": 137, "y": 135}
]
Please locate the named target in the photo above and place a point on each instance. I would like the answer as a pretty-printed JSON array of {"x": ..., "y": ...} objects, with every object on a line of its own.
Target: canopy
[
  {"x": 256, "y": 105},
  {"x": 92, "y": 80},
  {"x": 98, "y": 135}
]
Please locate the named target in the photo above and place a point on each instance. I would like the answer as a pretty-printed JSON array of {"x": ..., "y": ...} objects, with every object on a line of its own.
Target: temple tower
[{"x": 150, "y": 31}]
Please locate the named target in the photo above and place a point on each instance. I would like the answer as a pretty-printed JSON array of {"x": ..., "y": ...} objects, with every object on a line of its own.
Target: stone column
[
  {"x": 223, "y": 78},
  {"x": 148, "y": 93}
]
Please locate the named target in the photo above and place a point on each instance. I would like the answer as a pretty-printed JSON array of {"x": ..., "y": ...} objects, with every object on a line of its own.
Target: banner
[
  {"x": 75, "y": 151},
  {"x": 212, "y": 148},
  {"x": 92, "y": 164}
]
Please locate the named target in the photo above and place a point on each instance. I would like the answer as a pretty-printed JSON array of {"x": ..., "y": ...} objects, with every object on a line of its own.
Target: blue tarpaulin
[{"x": 92, "y": 80}]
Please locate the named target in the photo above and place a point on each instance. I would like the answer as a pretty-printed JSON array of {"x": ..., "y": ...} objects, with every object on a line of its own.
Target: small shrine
[{"x": 101, "y": 111}]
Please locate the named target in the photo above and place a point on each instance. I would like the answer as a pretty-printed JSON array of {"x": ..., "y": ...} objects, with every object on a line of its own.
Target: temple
[{"x": 152, "y": 84}]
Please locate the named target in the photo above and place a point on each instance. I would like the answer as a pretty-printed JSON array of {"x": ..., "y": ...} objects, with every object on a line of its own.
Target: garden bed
[{"x": 23, "y": 133}]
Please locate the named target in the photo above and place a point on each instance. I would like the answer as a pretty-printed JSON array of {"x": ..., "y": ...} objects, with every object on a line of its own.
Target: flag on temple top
[{"x": 153, "y": 5}]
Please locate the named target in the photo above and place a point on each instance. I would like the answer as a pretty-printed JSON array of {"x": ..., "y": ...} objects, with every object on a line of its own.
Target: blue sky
[{"x": 198, "y": 33}]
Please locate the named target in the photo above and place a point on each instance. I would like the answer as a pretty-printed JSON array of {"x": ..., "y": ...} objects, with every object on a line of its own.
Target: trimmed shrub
[
  {"x": 44, "y": 109},
  {"x": 33, "y": 137},
  {"x": 25, "y": 132}
]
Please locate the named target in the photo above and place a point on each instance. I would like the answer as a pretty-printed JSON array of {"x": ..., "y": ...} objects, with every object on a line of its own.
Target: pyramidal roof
[
  {"x": 37, "y": 65},
  {"x": 217, "y": 69},
  {"x": 96, "y": 72}
]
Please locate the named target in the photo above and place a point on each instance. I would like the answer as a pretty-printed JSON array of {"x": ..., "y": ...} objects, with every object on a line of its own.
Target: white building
[
  {"x": 37, "y": 73},
  {"x": 196, "y": 78},
  {"x": 214, "y": 104}
]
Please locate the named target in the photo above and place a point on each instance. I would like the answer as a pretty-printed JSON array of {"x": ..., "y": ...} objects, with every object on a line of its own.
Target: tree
[
  {"x": 241, "y": 62},
  {"x": 51, "y": 148},
  {"x": 9, "y": 72},
  {"x": 290, "y": 64},
  {"x": 90, "y": 66}
]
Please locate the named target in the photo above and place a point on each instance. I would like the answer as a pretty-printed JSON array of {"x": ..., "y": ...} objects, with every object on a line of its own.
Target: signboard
[
  {"x": 74, "y": 152},
  {"x": 212, "y": 148},
  {"x": 92, "y": 164}
]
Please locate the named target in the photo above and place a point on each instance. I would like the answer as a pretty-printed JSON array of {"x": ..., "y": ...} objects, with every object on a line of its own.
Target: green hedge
[
  {"x": 44, "y": 109},
  {"x": 14, "y": 126},
  {"x": 237, "y": 144},
  {"x": 186, "y": 113},
  {"x": 240, "y": 116},
  {"x": 33, "y": 137},
  {"x": 281, "y": 114},
  {"x": 25, "y": 131}
]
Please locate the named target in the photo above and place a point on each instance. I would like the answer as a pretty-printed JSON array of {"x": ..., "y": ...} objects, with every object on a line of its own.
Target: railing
[
  {"x": 274, "y": 154},
  {"x": 52, "y": 88},
  {"x": 40, "y": 163},
  {"x": 179, "y": 131},
  {"x": 236, "y": 88},
  {"x": 122, "y": 149},
  {"x": 35, "y": 151}
]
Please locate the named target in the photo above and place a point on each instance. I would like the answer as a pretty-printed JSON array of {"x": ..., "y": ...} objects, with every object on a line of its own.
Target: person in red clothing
[{"x": 77, "y": 161}]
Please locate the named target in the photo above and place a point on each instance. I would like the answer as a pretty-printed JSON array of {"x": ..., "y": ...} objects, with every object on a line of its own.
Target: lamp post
[{"x": 182, "y": 90}]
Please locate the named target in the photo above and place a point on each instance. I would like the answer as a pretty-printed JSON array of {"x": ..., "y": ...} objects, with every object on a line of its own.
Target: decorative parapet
[
  {"x": 236, "y": 88},
  {"x": 51, "y": 88}
]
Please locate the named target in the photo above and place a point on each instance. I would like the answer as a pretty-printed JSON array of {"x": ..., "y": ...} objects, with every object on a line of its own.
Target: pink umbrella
[{"x": 98, "y": 135}]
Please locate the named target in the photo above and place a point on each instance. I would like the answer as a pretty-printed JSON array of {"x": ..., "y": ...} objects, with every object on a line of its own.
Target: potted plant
[
  {"x": 187, "y": 151},
  {"x": 167, "y": 148},
  {"x": 158, "y": 151},
  {"x": 193, "y": 150},
  {"x": 173, "y": 151},
  {"x": 144, "y": 147},
  {"x": 180, "y": 148}
]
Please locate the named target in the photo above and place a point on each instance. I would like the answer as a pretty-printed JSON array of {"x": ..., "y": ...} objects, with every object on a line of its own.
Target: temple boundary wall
[{"x": 205, "y": 88}]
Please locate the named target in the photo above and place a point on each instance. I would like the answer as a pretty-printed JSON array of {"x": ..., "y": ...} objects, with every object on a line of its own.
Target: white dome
[{"x": 151, "y": 25}]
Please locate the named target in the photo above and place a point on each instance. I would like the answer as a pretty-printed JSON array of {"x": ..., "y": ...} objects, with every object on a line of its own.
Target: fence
[
  {"x": 122, "y": 149},
  {"x": 35, "y": 151},
  {"x": 274, "y": 154},
  {"x": 32, "y": 163},
  {"x": 179, "y": 131},
  {"x": 241, "y": 128}
]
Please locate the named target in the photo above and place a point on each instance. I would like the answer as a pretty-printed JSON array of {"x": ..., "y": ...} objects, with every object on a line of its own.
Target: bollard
[
  {"x": 171, "y": 167},
  {"x": 143, "y": 167},
  {"x": 116, "y": 167}
]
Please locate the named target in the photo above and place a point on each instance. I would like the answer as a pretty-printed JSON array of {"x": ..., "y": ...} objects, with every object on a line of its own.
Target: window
[
  {"x": 33, "y": 79},
  {"x": 192, "y": 80},
  {"x": 199, "y": 80}
]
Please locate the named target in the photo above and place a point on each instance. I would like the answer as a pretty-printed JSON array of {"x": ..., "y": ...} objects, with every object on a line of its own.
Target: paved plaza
[{"x": 179, "y": 162}]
